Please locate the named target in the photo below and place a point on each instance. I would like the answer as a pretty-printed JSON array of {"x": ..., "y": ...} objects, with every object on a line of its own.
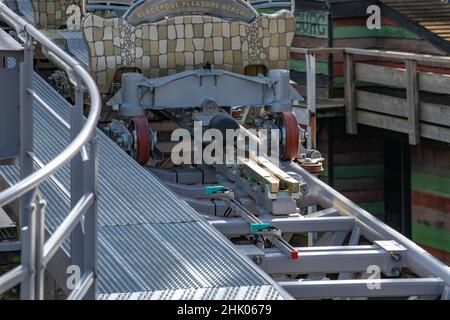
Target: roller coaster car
[
  {"x": 197, "y": 65},
  {"x": 154, "y": 53}
]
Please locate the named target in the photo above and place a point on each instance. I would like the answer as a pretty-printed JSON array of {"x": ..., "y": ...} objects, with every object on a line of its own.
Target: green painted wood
[
  {"x": 372, "y": 170},
  {"x": 358, "y": 158},
  {"x": 428, "y": 167},
  {"x": 325, "y": 171},
  {"x": 375, "y": 208},
  {"x": 312, "y": 17},
  {"x": 352, "y": 32},
  {"x": 300, "y": 66},
  {"x": 431, "y": 237},
  {"x": 429, "y": 183},
  {"x": 338, "y": 81},
  {"x": 312, "y": 24}
]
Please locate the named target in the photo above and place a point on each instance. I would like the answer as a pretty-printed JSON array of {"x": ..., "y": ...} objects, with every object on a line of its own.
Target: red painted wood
[
  {"x": 436, "y": 202},
  {"x": 362, "y": 21},
  {"x": 365, "y": 196},
  {"x": 319, "y": 57},
  {"x": 431, "y": 154},
  {"x": 441, "y": 255},
  {"x": 309, "y": 42}
]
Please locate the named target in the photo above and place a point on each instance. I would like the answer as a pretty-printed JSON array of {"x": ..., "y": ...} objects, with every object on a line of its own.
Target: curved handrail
[{"x": 85, "y": 133}]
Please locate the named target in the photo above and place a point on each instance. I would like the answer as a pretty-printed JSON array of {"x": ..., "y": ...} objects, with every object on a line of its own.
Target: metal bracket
[
  {"x": 189, "y": 88},
  {"x": 396, "y": 252}
]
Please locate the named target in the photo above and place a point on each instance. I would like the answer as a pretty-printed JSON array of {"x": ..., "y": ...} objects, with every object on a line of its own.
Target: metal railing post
[
  {"x": 311, "y": 97},
  {"x": 40, "y": 205},
  {"x": 76, "y": 176},
  {"x": 26, "y": 219},
  {"x": 28, "y": 254},
  {"x": 91, "y": 216}
]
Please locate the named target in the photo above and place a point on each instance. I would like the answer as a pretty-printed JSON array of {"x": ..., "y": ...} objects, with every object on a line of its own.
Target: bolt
[
  {"x": 396, "y": 257},
  {"x": 257, "y": 260},
  {"x": 396, "y": 271}
]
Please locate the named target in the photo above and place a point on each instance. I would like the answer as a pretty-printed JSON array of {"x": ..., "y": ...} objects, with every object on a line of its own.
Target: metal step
[{"x": 8, "y": 229}]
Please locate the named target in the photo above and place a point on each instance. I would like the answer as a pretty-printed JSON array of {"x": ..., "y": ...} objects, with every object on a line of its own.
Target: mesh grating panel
[
  {"x": 149, "y": 239},
  {"x": 233, "y": 293}
]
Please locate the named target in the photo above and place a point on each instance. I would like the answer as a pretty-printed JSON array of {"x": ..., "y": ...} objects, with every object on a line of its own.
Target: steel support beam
[
  {"x": 330, "y": 212},
  {"x": 327, "y": 261},
  {"x": 382, "y": 288},
  {"x": 237, "y": 226},
  {"x": 417, "y": 259}
]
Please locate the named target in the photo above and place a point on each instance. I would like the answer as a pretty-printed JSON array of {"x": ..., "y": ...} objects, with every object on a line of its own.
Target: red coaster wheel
[
  {"x": 141, "y": 130},
  {"x": 290, "y": 135}
]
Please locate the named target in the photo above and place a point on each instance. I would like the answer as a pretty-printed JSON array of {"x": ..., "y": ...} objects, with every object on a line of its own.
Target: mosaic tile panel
[
  {"x": 186, "y": 43},
  {"x": 53, "y": 14}
]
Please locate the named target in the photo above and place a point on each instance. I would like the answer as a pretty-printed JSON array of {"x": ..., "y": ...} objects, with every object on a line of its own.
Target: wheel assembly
[
  {"x": 290, "y": 135},
  {"x": 141, "y": 133}
]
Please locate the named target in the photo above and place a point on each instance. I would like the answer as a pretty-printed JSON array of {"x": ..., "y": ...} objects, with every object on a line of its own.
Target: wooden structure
[
  {"x": 433, "y": 15},
  {"x": 396, "y": 102}
]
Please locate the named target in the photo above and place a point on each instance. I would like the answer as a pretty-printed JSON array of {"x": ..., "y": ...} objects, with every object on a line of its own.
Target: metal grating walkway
[
  {"x": 231, "y": 293},
  {"x": 76, "y": 44},
  {"x": 149, "y": 240}
]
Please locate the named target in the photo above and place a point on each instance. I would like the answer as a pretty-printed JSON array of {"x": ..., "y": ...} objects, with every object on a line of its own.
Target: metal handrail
[
  {"x": 86, "y": 132},
  {"x": 14, "y": 276},
  {"x": 35, "y": 251},
  {"x": 51, "y": 246}
]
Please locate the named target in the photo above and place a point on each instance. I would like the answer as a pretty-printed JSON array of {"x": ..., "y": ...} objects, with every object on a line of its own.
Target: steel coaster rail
[
  {"x": 417, "y": 259},
  {"x": 36, "y": 253}
]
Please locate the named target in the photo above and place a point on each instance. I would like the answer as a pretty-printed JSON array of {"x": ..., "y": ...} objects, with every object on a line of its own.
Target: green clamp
[
  {"x": 258, "y": 227},
  {"x": 214, "y": 189}
]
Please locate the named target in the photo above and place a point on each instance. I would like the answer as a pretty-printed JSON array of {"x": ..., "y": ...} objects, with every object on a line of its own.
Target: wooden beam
[
  {"x": 435, "y": 83},
  {"x": 350, "y": 99},
  {"x": 381, "y": 103},
  {"x": 412, "y": 101},
  {"x": 396, "y": 124},
  {"x": 286, "y": 181},
  {"x": 380, "y": 75},
  {"x": 429, "y": 112},
  {"x": 436, "y": 133},
  {"x": 382, "y": 121},
  {"x": 254, "y": 171}
]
